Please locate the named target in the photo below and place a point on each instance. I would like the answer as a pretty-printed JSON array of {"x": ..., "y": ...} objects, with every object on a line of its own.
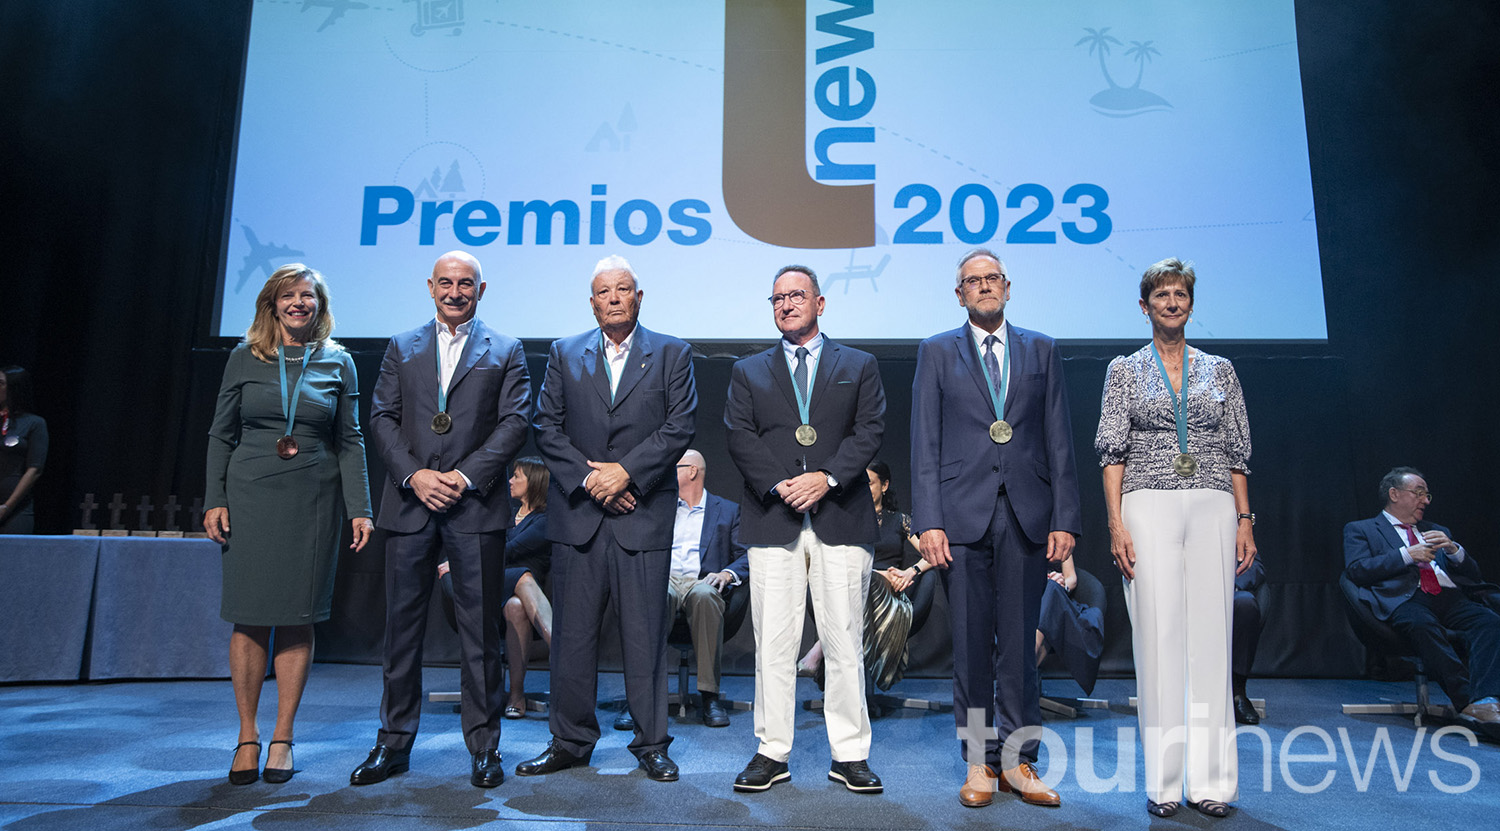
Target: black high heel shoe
[
  {"x": 244, "y": 777},
  {"x": 276, "y": 776}
]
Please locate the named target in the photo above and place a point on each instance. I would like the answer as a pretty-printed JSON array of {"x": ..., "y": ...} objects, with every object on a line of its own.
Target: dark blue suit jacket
[
  {"x": 1372, "y": 559},
  {"x": 847, "y": 410},
  {"x": 720, "y": 548},
  {"x": 489, "y": 397},
  {"x": 957, "y": 471},
  {"x": 646, "y": 430}
]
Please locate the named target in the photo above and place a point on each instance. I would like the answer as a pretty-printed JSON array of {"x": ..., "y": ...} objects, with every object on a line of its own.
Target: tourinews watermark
[{"x": 1307, "y": 759}]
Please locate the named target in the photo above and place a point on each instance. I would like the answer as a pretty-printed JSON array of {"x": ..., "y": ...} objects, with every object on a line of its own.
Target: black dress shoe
[
  {"x": 248, "y": 775},
  {"x": 487, "y": 770},
  {"x": 659, "y": 766},
  {"x": 1244, "y": 711},
  {"x": 552, "y": 760},
  {"x": 856, "y": 776},
  {"x": 761, "y": 774},
  {"x": 623, "y": 721},
  {"x": 277, "y": 776},
  {"x": 714, "y": 714},
  {"x": 383, "y": 763}
]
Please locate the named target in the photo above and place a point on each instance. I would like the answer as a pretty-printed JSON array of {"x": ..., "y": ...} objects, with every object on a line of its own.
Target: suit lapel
[
  {"x": 637, "y": 362},
  {"x": 474, "y": 349},
  {"x": 970, "y": 357},
  {"x": 828, "y": 361},
  {"x": 781, "y": 374},
  {"x": 1389, "y": 533},
  {"x": 593, "y": 365},
  {"x": 425, "y": 359},
  {"x": 710, "y": 521},
  {"x": 1015, "y": 352}
]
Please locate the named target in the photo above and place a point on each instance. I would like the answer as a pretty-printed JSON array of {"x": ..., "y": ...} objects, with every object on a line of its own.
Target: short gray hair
[
  {"x": 958, "y": 273},
  {"x": 800, "y": 269},
  {"x": 614, "y": 262},
  {"x": 1395, "y": 479}
]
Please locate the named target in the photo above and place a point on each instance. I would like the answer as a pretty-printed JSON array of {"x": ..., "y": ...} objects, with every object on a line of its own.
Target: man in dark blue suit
[
  {"x": 995, "y": 495},
  {"x": 1413, "y": 575},
  {"x": 616, "y": 413},
  {"x": 709, "y": 567},
  {"x": 449, "y": 414},
  {"x": 805, "y": 419}
]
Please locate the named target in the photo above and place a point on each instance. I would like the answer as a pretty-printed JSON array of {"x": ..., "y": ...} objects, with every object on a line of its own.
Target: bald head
[
  {"x": 456, "y": 286},
  {"x": 690, "y": 471}
]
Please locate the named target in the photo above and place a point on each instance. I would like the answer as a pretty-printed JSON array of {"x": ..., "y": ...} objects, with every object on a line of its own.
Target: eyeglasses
[
  {"x": 973, "y": 282},
  {"x": 1419, "y": 493},
  {"x": 796, "y": 298}
]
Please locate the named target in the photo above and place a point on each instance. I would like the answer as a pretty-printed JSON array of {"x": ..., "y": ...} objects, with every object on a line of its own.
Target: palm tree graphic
[{"x": 1117, "y": 101}]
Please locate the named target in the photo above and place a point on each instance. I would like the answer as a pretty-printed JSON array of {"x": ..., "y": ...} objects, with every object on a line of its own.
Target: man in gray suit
[
  {"x": 615, "y": 414},
  {"x": 449, "y": 414}
]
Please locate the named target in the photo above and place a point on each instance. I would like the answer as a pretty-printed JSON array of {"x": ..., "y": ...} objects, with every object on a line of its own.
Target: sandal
[
  {"x": 1162, "y": 809},
  {"x": 515, "y": 712},
  {"x": 276, "y": 776},
  {"x": 1210, "y": 808},
  {"x": 244, "y": 777}
]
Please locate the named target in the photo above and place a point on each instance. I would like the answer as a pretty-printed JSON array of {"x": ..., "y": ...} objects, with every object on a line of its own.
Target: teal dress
[{"x": 286, "y": 516}]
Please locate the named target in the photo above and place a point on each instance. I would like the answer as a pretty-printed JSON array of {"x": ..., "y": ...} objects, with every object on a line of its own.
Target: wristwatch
[
  {"x": 832, "y": 482},
  {"x": 1251, "y": 517}
]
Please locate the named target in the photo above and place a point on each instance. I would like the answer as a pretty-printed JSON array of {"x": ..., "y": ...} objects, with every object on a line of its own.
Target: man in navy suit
[
  {"x": 448, "y": 416},
  {"x": 805, "y": 419},
  {"x": 616, "y": 412},
  {"x": 994, "y": 497},
  {"x": 1413, "y": 575},
  {"x": 709, "y": 565}
]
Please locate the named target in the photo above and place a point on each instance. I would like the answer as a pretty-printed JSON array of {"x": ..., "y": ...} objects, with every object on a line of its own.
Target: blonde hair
[{"x": 264, "y": 334}]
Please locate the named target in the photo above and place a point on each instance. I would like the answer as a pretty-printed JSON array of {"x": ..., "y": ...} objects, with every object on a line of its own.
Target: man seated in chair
[
  {"x": 708, "y": 564},
  {"x": 1415, "y": 577}
]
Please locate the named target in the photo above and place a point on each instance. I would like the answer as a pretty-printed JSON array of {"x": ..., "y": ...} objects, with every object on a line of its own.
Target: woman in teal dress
[{"x": 286, "y": 464}]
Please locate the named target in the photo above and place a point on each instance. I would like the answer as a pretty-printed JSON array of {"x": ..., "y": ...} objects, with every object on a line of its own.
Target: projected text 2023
[{"x": 974, "y": 216}]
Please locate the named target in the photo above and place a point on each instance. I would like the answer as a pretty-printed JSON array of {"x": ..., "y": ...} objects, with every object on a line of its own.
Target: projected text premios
[{"x": 974, "y": 216}]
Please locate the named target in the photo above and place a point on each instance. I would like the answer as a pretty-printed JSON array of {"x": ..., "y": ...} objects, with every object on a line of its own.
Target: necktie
[
  {"x": 800, "y": 376},
  {"x": 990, "y": 361},
  {"x": 1426, "y": 575}
]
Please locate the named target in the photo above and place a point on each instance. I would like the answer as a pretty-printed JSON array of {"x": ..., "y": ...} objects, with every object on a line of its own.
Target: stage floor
[{"x": 127, "y": 755}]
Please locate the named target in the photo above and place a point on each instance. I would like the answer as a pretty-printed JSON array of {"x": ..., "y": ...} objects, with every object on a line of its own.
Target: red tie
[{"x": 1427, "y": 576}]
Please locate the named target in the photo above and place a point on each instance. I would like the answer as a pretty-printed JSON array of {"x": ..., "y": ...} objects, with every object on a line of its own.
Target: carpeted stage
[{"x": 153, "y": 755}]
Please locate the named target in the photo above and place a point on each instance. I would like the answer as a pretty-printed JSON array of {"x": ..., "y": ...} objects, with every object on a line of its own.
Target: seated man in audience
[
  {"x": 708, "y": 564},
  {"x": 1414, "y": 576}
]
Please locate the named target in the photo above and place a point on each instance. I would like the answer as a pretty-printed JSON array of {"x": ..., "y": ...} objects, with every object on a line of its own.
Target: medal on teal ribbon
[
  {"x": 442, "y": 422},
  {"x": 1000, "y": 431},
  {"x": 286, "y": 446},
  {"x": 1184, "y": 464},
  {"x": 806, "y": 434}
]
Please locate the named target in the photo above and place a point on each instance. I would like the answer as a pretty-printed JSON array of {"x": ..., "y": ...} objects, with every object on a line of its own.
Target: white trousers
[
  {"x": 838, "y": 578},
  {"x": 1181, "y": 612}
]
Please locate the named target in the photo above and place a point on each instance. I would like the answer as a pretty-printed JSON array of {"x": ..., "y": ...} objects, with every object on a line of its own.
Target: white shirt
[
  {"x": 687, "y": 536},
  {"x": 451, "y": 349},
  {"x": 979, "y": 335},
  {"x": 814, "y": 348},
  {"x": 1443, "y": 579},
  {"x": 615, "y": 356}
]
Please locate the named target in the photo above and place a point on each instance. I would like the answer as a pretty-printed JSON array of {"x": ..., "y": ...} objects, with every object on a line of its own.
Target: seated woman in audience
[{"x": 1070, "y": 628}]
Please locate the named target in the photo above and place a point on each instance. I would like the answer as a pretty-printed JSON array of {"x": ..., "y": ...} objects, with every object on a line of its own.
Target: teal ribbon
[
  {"x": 289, "y": 407},
  {"x": 1179, "y": 403},
  {"x": 803, "y": 404},
  {"x": 997, "y": 399},
  {"x": 442, "y": 388}
]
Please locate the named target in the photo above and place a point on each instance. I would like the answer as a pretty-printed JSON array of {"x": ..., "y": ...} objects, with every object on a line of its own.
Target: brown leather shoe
[
  {"x": 1022, "y": 779},
  {"x": 979, "y": 788}
]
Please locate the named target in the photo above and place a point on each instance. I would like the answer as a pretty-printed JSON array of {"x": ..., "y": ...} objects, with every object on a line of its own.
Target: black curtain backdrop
[{"x": 117, "y": 126}]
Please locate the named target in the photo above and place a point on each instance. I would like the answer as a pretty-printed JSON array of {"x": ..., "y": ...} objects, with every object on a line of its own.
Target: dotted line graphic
[
  {"x": 1281, "y": 45},
  {"x": 1199, "y": 227},
  {"x": 612, "y": 44}
]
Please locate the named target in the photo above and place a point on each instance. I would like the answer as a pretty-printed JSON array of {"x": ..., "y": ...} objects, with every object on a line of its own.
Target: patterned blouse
[{"x": 1137, "y": 427}]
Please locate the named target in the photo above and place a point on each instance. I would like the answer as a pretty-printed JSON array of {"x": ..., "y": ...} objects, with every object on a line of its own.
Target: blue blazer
[
  {"x": 957, "y": 471},
  {"x": 646, "y": 429},
  {"x": 847, "y": 410},
  {"x": 1372, "y": 559},
  {"x": 720, "y": 548},
  {"x": 489, "y": 397}
]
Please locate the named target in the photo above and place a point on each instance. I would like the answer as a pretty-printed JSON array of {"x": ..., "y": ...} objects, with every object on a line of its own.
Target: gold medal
[
  {"x": 1000, "y": 432},
  {"x": 286, "y": 447},
  {"x": 442, "y": 423},
  {"x": 806, "y": 435},
  {"x": 1185, "y": 465}
]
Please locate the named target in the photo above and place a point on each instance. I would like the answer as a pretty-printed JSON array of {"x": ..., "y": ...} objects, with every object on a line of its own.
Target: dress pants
[
  {"x": 838, "y": 578},
  {"x": 1422, "y": 620},
  {"x": 477, "y": 565},
  {"x": 1247, "y": 626},
  {"x": 1181, "y": 616},
  {"x": 995, "y": 591},
  {"x": 584, "y": 579},
  {"x": 703, "y": 607}
]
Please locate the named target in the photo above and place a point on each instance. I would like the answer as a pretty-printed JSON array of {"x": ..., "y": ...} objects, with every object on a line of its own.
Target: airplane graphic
[
  {"x": 336, "y": 9},
  {"x": 260, "y": 256}
]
